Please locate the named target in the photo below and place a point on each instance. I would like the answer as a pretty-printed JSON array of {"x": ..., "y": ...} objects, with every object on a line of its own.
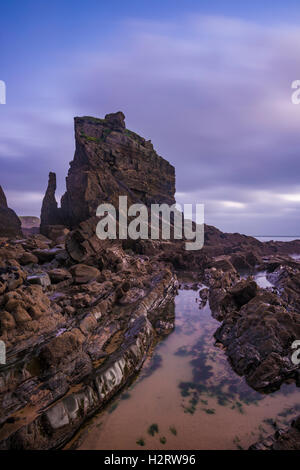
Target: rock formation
[
  {"x": 50, "y": 214},
  {"x": 10, "y": 225},
  {"x": 109, "y": 161},
  {"x": 258, "y": 325},
  {"x": 78, "y": 315},
  {"x": 75, "y": 341}
]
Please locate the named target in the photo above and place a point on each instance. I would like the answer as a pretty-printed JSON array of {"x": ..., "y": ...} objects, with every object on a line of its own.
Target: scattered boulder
[
  {"x": 42, "y": 279},
  {"x": 59, "y": 274},
  {"x": 25, "y": 315},
  {"x": 82, "y": 273},
  {"x": 28, "y": 258},
  {"x": 48, "y": 254}
]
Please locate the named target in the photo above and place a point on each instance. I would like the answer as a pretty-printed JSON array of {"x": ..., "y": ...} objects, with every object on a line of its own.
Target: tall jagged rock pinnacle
[{"x": 50, "y": 214}]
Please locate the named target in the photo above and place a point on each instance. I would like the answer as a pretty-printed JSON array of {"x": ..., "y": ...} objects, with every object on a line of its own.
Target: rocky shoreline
[
  {"x": 73, "y": 344},
  {"x": 78, "y": 315}
]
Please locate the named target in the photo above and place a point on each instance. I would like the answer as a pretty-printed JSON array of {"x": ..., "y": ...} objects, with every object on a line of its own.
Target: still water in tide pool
[{"x": 188, "y": 397}]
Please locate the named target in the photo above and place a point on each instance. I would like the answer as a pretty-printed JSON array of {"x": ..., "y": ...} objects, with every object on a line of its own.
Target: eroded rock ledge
[
  {"x": 73, "y": 344},
  {"x": 259, "y": 325}
]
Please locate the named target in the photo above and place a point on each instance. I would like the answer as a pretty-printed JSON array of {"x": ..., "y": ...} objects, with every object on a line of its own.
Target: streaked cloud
[{"x": 212, "y": 93}]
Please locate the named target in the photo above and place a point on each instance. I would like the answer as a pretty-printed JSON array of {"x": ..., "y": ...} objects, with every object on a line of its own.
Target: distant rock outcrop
[
  {"x": 109, "y": 161},
  {"x": 10, "y": 224}
]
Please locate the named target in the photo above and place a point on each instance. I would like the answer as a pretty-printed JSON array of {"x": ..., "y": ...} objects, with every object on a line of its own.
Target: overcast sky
[{"x": 208, "y": 82}]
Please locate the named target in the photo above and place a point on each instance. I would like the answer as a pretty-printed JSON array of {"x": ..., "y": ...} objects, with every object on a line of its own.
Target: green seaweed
[
  {"x": 93, "y": 119},
  {"x": 140, "y": 442},
  {"x": 112, "y": 408},
  {"x": 153, "y": 429},
  {"x": 125, "y": 396}
]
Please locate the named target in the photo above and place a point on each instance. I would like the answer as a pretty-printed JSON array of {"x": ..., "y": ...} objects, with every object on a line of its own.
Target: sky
[{"x": 209, "y": 82}]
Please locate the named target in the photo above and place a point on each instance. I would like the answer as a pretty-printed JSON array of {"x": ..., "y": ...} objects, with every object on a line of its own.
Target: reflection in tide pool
[{"x": 188, "y": 397}]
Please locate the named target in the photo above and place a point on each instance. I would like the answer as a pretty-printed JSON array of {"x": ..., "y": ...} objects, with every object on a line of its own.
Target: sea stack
[{"x": 109, "y": 161}]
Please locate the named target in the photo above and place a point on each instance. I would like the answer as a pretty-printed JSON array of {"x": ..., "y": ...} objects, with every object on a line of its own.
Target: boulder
[
  {"x": 59, "y": 274},
  {"x": 28, "y": 258},
  {"x": 47, "y": 254},
  {"x": 83, "y": 273},
  {"x": 258, "y": 340},
  {"x": 41, "y": 279}
]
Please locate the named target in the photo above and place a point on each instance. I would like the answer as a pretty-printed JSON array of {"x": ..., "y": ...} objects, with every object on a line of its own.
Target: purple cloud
[{"x": 212, "y": 93}]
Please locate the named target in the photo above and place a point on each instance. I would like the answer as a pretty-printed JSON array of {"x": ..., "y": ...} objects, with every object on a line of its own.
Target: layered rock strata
[{"x": 74, "y": 340}]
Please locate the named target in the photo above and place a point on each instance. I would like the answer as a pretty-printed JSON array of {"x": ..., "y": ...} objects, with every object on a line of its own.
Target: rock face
[
  {"x": 79, "y": 315},
  {"x": 74, "y": 342},
  {"x": 109, "y": 161},
  {"x": 10, "y": 224},
  {"x": 258, "y": 325}
]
